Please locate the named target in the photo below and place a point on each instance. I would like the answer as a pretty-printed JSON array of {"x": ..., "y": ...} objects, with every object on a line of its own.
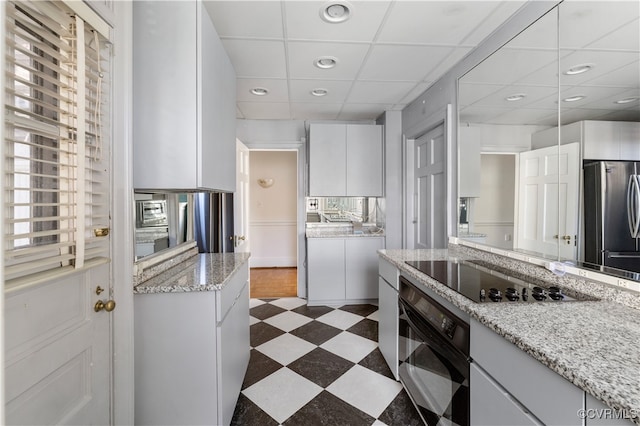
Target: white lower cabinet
[
  {"x": 535, "y": 390},
  {"x": 191, "y": 354},
  {"x": 388, "y": 314},
  {"x": 492, "y": 405},
  {"x": 342, "y": 270}
]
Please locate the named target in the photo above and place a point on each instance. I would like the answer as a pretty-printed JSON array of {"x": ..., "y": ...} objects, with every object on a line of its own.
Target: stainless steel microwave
[{"x": 151, "y": 213}]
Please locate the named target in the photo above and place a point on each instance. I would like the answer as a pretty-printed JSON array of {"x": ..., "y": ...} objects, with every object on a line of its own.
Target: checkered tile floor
[{"x": 316, "y": 365}]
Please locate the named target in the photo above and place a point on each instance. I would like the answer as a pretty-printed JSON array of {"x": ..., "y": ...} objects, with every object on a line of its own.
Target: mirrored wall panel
[
  {"x": 161, "y": 222},
  {"x": 571, "y": 125}
]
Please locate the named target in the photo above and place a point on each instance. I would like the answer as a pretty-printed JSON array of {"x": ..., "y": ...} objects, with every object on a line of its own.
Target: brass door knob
[{"x": 108, "y": 306}]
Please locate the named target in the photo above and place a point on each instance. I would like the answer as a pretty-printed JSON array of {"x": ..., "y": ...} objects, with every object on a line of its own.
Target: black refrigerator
[
  {"x": 213, "y": 222},
  {"x": 612, "y": 214}
]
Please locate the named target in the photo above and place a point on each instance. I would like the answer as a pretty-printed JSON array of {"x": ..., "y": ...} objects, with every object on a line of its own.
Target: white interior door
[
  {"x": 430, "y": 186},
  {"x": 569, "y": 180},
  {"x": 547, "y": 198},
  {"x": 241, "y": 199},
  {"x": 57, "y": 348}
]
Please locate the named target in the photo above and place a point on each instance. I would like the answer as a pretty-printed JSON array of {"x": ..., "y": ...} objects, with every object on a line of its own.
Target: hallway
[
  {"x": 273, "y": 282},
  {"x": 318, "y": 366}
]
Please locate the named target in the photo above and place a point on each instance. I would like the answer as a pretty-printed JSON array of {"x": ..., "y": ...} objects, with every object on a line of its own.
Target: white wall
[
  {"x": 273, "y": 210},
  {"x": 493, "y": 212}
]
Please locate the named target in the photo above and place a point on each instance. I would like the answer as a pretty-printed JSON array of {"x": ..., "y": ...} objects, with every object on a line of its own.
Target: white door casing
[
  {"x": 548, "y": 182},
  {"x": 241, "y": 199},
  {"x": 430, "y": 190}
]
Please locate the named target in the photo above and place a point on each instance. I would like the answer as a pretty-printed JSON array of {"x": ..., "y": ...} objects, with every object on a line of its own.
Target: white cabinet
[
  {"x": 342, "y": 270},
  {"x": 492, "y": 405},
  {"x": 599, "y": 414},
  {"x": 183, "y": 100},
  {"x": 541, "y": 393},
  {"x": 345, "y": 160},
  {"x": 388, "y": 314},
  {"x": 191, "y": 354},
  {"x": 600, "y": 140}
]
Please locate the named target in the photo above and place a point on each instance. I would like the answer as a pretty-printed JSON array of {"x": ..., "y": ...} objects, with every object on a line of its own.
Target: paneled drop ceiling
[{"x": 387, "y": 53}]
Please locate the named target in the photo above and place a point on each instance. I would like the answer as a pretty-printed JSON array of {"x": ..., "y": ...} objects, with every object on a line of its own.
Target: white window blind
[{"x": 57, "y": 139}]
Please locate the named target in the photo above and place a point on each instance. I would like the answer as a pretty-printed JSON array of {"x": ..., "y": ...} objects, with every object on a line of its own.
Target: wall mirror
[
  {"x": 592, "y": 90},
  {"x": 161, "y": 222}
]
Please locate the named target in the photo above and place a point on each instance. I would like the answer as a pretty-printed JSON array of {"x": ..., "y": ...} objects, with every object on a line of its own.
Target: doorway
[{"x": 273, "y": 222}]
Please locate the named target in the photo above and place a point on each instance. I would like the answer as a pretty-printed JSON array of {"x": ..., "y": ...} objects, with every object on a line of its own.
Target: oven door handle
[{"x": 431, "y": 337}]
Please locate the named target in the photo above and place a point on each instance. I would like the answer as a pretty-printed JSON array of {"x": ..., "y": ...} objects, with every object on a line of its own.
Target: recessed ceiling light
[
  {"x": 319, "y": 92},
  {"x": 516, "y": 97},
  {"x": 335, "y": 12},
  {"x": 574, "y": 98},
  {"x": 259, "y": 91},
  {"x": 579, "y": 69},
  {"x": 627, "y": 100},
  {"x": 325, "y": 62}
]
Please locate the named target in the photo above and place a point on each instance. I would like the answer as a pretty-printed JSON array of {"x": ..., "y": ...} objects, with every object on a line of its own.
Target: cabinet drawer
[
  {"x": 550, "y": 397},
  {"x": 231, "y": 291},
  {"x": 492, "y": 406}
]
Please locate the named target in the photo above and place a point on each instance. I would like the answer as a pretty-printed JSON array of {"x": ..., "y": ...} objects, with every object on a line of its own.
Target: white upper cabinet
[
  {"x": 345, "y": 160},
  {"x": 184, "y": 100}
]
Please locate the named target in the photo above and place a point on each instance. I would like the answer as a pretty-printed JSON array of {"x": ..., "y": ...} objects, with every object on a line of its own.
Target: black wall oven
[{"x": 433, "y": 357}]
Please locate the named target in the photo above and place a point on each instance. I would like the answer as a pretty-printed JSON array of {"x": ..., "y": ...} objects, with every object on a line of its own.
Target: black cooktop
[{"x": 484, "y": 285}]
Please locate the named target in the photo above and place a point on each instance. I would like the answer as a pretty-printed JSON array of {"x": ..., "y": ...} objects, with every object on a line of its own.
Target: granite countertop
[
  {"x": 593, "y": 344},
  {"x": 337, "y": 231},
  {"x": 203, "y": 272}
]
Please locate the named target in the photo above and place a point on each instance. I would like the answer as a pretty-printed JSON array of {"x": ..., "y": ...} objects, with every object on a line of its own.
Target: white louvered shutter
[{"x": 56, "y": 136}]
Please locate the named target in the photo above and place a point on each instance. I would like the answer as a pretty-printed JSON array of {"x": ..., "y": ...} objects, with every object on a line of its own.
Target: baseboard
[{"x": 273, "y": 262}]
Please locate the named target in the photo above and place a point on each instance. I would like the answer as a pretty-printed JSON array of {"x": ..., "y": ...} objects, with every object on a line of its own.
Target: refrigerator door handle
[
  {"x": 616, "y": 255},
  {"x": 633, "y": 205}
]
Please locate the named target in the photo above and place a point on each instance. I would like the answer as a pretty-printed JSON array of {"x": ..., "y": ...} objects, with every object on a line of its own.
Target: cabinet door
[
  {"x": 361, "y": 277},
  {"x": 492, "y": 406},
  {"x": 234, "y": 352},
  {"x": 388, "y": 324},
  {"x": 325, "y": 269},
  {"x": 364, "y": 160},
  {"x": 327, "y": 160},
  {"x": 216, "y": 157},
  {"x": 164, "y": 97}
]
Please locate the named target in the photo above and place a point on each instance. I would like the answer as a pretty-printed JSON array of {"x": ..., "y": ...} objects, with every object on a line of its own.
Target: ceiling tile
[
  {"x": 379, "y": 92},
  {"x": 401, "y": 62},
  {"x": 510, "y": 65},
  {"x": 303, "y": 54},
  {"x": 581, "y": 24},
  {"x": 434, "y": 22},
  {"x": 497, "y": 16},
  {"x": 620, "y": 76},
  {"x": 278, "y": 90},
  {"x": 605, "y": 62},
  {"x": 625, "y": 38},
  {"x": 336, "y": 90},
  {"x": 265, "y": 110},
  {"x": 257, "y": 58},
  {"x": 246, "y": 18},
  {"x": 315, "y": 111},
  {"x": 304, "y": 22}
]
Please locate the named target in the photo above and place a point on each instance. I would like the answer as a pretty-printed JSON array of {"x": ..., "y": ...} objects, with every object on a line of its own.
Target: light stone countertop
[
  {"x": 203, "y": 272},
  {"x": 593, "y": 344},
  {"x": 342, "y": 231}
]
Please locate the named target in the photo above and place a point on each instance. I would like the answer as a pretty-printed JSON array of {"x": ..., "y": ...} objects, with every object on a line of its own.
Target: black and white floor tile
[{"x": 318, "y": 365}]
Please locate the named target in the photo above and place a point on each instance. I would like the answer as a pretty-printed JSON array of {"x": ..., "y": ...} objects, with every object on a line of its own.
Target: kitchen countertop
[
  {"x": 593, "y": 344},
  {"x": 203, "y": 272},
  {"x": 339, "y": 231}
]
